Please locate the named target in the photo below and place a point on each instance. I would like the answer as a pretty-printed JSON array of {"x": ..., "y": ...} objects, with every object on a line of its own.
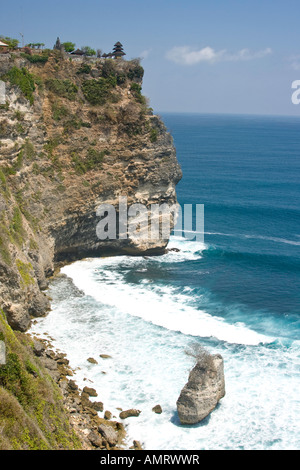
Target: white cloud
[
  {"x": 185, "y": 55},
  {"x": 246, "y": 54},
  {"x": 295, "y": 62},
  {"x": 145, "y": 53}
]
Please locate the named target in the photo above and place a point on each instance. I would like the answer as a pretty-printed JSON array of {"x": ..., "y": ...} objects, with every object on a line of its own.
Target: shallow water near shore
[{"x": 236, "y": 294}]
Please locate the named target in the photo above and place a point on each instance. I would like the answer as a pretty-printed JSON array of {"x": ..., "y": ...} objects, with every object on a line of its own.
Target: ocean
[{"x": 236, "y": 293}]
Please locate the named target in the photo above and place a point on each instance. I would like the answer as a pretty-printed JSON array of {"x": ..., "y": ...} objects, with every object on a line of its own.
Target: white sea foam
[
  {"x": 251, "y": 236},
  {"x": 149, "y": 366},
  {"x": 159, "y": 305},
  {"x": 256, "y": 237},
  {"x": 146, "y": 327}
]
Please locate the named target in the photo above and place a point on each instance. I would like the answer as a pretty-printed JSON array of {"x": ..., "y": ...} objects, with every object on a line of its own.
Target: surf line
[{"x": 156, "y": 222}]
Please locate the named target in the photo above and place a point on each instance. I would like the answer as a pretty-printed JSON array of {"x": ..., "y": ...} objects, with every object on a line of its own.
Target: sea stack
[{"x": 204, "y": 389}]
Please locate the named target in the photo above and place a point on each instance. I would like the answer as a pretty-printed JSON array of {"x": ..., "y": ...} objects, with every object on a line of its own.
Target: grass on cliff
[
  {"x": 92, "y": 160},
  {"x": 16, "y": 229},
  {"x": 37, "y": 58},
  {"x": 11, "y": 231},
  {"x": 4, "y": 246},
  {"x": 3, "y": 184},
  {"x": 64, "y": 88},
  {"x": 25, "y": 271},
  {"x": 23, "y": 79},
  {"x": 32, "y": 416},
  {"x": 98, "y": 92}
]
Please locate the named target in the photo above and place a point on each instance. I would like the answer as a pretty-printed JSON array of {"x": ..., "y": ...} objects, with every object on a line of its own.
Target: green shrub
[
  {"x": 136, "y": 72},
  {"x": 84, "y": 68},
  {"x": 86, "y": 124},
  {"x": 3, "y": 182},
  {"x": 4, "y": 128},
  {"x": 92, "y": 160},
  {"x": 64, "y": 88},
  {"x": 59, "y": 112},
  {"x": 36, "y": 58},
  {"x": 5, "y": 106},
  {"x": 17, "y": 165},
  {"x": 25, "y": 270},
  {"x": 121, "y": 78},
  {"x": 108, "y": 68},
  {"x": 97, "y": 92},
  {"x": 136, "y": 90},
  {"x": 88, "y": 51},
  {"x": 79, "y": 164},
  {"x": 72, "y": 123},
  {"x": 38, "y": 81},
  {"x": 75, "y": 123},
  {"x": 23, "y": 79},
  {"x": 18, "y": 115},
  {"x": 20, "y": 129},
  {"x": 4, "y": 239},
  {"x": 110, "y": 71},
  {"x": 69, "y": 46},
  {"x": 31, "y": 405},
  {"x": 16, "y": 228},
  {"x": 52, "y": 144},
  {"x": 29, "y": 150},
  {"x": 153, "y": 134},
  {"x": 12, "y": 43},
  {"x": 10, "y": 373}
]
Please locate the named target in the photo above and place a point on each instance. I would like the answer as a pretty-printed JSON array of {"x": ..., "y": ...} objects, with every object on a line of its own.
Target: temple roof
[{"x": 78, "y": 52}]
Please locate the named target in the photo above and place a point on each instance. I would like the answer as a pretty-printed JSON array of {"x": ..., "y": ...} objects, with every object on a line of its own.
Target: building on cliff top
[
  {"x": 77, "y": 52},
  {"x": 118, "y": 50},
  {"x": 3, "y": 47}
]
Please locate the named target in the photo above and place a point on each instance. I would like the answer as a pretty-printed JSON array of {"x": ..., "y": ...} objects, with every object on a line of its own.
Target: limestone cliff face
[{"x": 74, "y": 134}]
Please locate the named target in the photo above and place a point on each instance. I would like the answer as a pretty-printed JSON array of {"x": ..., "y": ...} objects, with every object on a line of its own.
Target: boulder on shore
[
  {"x": 204, "y": 389},
  {"x": 129, "y": 413},
  {"x": 157, "y": 409}
]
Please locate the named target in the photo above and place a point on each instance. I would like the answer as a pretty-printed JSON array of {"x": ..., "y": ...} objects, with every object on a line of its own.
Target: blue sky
[{"x": 216, "y": 56}]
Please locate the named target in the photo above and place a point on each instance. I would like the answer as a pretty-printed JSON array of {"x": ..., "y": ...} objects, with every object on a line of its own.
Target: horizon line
[{"x": 204, "y": 113}]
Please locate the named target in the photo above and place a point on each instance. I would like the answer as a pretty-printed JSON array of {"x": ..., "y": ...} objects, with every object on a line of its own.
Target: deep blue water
[
  {"x": 236, "y": 294},
  {"x": 246, "y": 172}
]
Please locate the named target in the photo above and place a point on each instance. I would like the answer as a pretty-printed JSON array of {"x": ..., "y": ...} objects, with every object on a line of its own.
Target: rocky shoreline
[{"x": 94, "y": 432}]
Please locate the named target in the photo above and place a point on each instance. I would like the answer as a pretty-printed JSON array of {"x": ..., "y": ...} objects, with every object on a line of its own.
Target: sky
[{"x": 213, "y": 56}]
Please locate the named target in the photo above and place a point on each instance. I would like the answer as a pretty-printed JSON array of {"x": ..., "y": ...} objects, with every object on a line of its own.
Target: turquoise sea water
[{"x": 237, "y": 294}]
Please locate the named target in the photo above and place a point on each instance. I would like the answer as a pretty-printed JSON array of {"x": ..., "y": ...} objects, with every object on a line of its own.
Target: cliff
[{"x": 74, "y": 134}]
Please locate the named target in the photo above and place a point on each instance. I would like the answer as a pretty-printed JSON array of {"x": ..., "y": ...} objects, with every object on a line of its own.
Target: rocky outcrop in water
[{"x": 204, "y": 389}]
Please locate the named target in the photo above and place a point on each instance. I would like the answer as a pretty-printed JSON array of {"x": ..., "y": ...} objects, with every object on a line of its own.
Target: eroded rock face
[
  {"x": 202, "y": 392},
  {"x": 61, "y": 157}
]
